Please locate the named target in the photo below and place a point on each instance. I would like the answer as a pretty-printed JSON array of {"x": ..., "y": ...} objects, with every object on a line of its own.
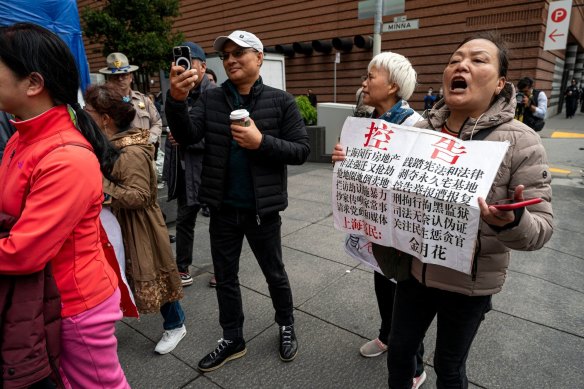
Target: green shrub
[{"x": 306, "y": 109}]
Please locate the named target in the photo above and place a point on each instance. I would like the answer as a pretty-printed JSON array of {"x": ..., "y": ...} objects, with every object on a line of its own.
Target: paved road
[{"x": 533, "y": 338}]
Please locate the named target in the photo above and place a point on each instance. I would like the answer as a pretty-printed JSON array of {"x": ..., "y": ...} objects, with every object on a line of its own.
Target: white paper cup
[{"x": 240, "y": 117}]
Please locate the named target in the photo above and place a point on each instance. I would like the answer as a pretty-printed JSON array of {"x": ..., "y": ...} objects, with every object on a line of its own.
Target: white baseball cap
[{"x": 240, "y": 38}]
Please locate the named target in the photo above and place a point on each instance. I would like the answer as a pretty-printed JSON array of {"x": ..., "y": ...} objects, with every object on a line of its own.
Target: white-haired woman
[{"x": 389, "y": 82}]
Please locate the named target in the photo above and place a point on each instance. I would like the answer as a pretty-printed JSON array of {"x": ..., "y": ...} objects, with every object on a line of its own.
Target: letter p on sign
[{"x": 559, "y": 14}]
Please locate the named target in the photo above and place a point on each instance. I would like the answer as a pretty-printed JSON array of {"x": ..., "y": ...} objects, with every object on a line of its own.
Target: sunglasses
[
  {"x": 120, "y": 76},
  {"x": 237, "y": 53}
]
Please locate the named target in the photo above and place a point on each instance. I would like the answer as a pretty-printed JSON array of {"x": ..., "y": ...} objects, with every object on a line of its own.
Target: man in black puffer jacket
[{"x": 244, "y": 181}]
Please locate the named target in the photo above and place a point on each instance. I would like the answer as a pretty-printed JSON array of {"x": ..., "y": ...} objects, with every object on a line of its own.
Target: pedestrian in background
[
  {"x": 119, "y": 74},
  {"x": 533, "y": 104},
  {"x": 582, "y": 97},
  {"x": 211, "y": 76},
  {"x": 182, "y": 172},
  {"x": 51, "y": 183},
  {"x": 571, "y": 95},
  {"x": 429, "y": 99},
  {"x": 312, "y": 98},
  {"x": 244, "y": 180},
  {"x": 439, "y": 95}
]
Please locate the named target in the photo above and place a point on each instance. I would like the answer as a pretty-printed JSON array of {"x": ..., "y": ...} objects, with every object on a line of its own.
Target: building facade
[{"x": 304, "y": 31}]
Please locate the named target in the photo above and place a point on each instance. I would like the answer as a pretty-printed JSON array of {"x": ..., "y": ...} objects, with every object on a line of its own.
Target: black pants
[
  {"x": 385, "y": 293},
  {"x": 571, "y": 107},
  {"x": 459, "y": 318},
  {"x": 227, "y": 228},
  {"x": 186, "y": 217}
]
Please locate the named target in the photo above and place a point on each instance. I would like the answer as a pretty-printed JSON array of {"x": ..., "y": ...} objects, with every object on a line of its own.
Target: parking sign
[{"x": 558, "y": 25}]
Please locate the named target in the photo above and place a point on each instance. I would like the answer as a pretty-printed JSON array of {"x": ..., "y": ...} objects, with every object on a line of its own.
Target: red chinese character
[
  {"x": 449, "y": 148},
  {"x": 378, "y": 136}
]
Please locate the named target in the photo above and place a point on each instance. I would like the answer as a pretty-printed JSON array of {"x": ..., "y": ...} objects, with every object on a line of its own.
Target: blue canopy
[{"x": 59, "y": 16}]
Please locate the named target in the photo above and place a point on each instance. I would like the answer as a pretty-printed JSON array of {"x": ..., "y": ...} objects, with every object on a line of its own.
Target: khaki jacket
[
  {"x": 525, "y": 163},
  {"x": 147, "y": 116},
  {"x": 150, "y": 266}
]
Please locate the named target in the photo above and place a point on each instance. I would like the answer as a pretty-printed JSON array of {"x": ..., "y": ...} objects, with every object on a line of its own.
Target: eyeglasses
[
  {"x": 120, "y": 76},
  {"x": 237, "y": 53},
  {"x": 366, "y": 77}
]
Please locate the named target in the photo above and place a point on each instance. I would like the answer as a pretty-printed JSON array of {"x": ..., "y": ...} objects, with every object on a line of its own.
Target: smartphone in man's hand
[{"x": 182, "y": 56}]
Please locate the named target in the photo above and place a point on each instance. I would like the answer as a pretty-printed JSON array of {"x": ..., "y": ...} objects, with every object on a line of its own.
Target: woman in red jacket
[{"x": 51, "y": 182}]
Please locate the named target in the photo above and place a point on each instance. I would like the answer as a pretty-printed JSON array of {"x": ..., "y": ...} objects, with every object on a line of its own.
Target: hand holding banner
[{"x": 413, "y": 189}]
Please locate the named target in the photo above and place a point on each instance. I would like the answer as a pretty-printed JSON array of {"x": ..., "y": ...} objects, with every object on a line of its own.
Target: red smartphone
[{"x": 510, "y": 204}]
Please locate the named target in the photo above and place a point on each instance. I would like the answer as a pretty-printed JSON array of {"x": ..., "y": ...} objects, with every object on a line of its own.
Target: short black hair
[
  {"x": 212, "y": 73},
  {"x": 27, "y": 48},
  {"x": 525, "y": 82}
]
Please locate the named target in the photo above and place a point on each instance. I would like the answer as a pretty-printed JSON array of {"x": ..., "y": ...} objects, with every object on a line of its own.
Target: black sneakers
[
  {"x": 288, "y": 343},
  {"x": 227, "y": 350}
]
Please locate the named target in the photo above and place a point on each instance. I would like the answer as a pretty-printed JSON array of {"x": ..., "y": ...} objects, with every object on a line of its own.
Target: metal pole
[
  {"x": 335, "y": 82},
  {"x": 378, "y": 20}
]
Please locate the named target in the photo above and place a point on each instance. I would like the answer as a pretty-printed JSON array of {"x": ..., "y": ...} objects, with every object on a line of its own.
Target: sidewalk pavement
[
  {"x": 533, "y": 337},
  {"x": 564, "y": 140}
]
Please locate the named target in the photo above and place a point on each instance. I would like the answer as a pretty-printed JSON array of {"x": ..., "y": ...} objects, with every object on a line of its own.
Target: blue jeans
[
  {"x": 459, "y": 318},
  {"x": 228, "y": 226},
  {"x": 173, "y": 314}
]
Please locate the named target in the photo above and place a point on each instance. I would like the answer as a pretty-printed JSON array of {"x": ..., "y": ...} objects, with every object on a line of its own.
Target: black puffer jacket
[{"x": 284, "y": 142}]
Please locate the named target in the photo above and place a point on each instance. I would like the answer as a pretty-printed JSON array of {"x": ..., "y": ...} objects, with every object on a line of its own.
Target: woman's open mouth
[{"x": 458, "y": 84}]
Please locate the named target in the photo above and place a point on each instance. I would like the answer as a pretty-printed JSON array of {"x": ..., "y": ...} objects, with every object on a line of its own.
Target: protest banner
[{"x": 413, "y": 189}]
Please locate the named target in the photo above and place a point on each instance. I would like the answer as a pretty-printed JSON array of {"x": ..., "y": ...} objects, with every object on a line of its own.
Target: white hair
[{"x": 400, "y": 71}]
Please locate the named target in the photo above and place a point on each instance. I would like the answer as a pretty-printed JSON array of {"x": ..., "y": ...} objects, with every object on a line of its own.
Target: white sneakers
[
  {"x": 376, "y": 347},
  {"x": 373, "y": 348},
  {"x": 170, "y": 340}
]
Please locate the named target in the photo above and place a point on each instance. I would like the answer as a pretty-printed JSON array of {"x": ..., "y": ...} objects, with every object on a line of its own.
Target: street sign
[
  {"x": 558, "y": 25},
  {"x": 401, "y": 26},
  {"x": 366, "y": 8}
]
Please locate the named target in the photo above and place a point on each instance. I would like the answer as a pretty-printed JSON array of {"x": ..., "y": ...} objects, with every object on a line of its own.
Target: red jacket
[{"x": 60, "y": 220}]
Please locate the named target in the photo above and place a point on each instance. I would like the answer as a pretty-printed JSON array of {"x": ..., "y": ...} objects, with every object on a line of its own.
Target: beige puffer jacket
[{"x": 525, "y": 163}]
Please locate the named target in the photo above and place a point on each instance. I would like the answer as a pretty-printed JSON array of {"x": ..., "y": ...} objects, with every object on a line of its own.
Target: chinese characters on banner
[{"x": 412, "y": 189}]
